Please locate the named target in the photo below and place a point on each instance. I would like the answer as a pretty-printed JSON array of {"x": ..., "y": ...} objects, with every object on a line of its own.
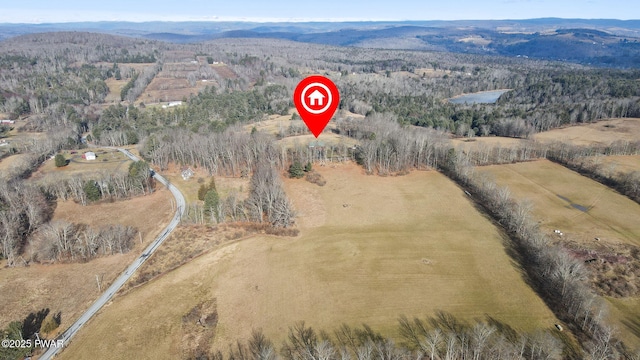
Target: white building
[{"x": 89, "y": 155}]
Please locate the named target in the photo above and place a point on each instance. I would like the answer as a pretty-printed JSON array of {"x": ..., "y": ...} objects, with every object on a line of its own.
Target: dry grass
[
  {"x": 611, "y": 217},
  {"x": 476, "y": 40},
  {"x": 115, "y": 86},
  {"x": 164, "y": 89},
  {"x": 327, "y": 138},
  {"x": 486, "y": 141},
  {"x": 370, "y": 249},
  {"x": 8, "y": 164},
  {"x": 224, "y": 71},
  {"x": 602, "y": 132},
  {"x": 189, "y": 188},
  {"x": 612, "y": 165},
  {"x": 627, "y": 313},
  {"x": 431, "y": 73},
  {"x": 107, "y": 161},
  {"x": 27, "y": 289}
]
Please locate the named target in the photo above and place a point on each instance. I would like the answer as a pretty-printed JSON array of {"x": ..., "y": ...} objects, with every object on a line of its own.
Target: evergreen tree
[
  {"x": 211, "y": 201},
  {"x": 295, "y": 170},
  {"x": 60, "y": 160},
  {"x": 92, "y": 190},
  {"x": 308, "y": 167}
]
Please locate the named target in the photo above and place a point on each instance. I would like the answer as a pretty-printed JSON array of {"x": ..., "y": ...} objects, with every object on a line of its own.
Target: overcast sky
[{"x": 39, "y": 11}]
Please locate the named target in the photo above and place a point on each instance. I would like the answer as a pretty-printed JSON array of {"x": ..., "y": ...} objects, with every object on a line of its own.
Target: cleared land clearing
[
  {"x": 107, "y": 161},
  {"x": 164, "y": 89},
  {"x": 486, "y": 142},
  {"x": 173, "y": 82},
  {"x": 371, "y": 248},
  {"x": 10, "y": 163},
  {"x": 611, "y": 217},
  {"x": 189, "y": 188},
  {"x": 602, "y": 132},
  {"x": 115, "y": 86},
  {"x": 326, "y": 139},
  {"x": 627, "y": 312},
  {"x": 615, "y": 164},
  {"x": 432, "y": 73},
  {"x": 581, "y": 208},
  {"x": 29, "y": 289}
]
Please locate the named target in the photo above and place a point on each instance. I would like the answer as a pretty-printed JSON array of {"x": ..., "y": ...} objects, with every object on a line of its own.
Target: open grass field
[
  {"x": 615, "y": 164},
  {"x": 115, "y": 86},
  {"x": 626, "y": 312},
  {"x": 581, "y": 208},
  {"x": 370, "y": 249},
  {"x": 431, "y": 73},
  {"x": 164, "y": 89},
  {"x": 486, "y": 142},
  {"x": 38, "y": 286},
  {"x": 107, "y": 160},
  {"x": 602, "y": 132},
  {"x": 611, "y": 217},
  {"x": 9, "y": 163}
]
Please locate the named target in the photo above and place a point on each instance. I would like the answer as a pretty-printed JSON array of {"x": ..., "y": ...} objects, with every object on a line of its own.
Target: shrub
[
  {"x": 296, "y": 171},
  {"x": 60, "y": 160},
  {"x": 315, "y": 178}
]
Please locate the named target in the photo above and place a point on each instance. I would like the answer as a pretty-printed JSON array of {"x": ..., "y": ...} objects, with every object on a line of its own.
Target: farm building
[
  {"x": 89, "y": 155},
  {"x": 7, "y": 122}
]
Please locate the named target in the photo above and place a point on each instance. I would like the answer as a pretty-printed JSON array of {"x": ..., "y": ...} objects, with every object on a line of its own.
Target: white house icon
[{"x": 316, "y": 98}]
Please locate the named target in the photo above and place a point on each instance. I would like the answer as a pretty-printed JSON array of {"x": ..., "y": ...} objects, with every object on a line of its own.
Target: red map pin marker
[{"x": 316, "y": 98}]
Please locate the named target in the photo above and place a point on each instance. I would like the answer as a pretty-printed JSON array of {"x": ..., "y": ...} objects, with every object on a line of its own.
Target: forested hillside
[{"x": 76, "y": 91}]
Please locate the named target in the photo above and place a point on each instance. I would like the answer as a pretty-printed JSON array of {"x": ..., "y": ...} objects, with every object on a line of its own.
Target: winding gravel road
[{"x": 117, "y": 284}]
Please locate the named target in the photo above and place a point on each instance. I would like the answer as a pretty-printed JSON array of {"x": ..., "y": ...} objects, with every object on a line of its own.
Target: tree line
[{"x": 442, "y": 336}]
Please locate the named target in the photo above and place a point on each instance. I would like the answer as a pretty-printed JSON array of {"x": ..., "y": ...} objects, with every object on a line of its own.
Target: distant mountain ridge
[{"x": 599, "y": 42}]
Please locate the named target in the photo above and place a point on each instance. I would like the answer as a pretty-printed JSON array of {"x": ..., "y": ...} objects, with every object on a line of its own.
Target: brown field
[
  {"x": 602, "y": 132},
  {"x": 107, "y": 161},
  {"x": 476, "y": 40},
  {"x": 38, "y": 286},
  {"x": 8, "y": 163},
  {"x": 627, "y": 312},
  {"x": 553, "y": 189},
  {"x": 275, "y": 124},
  {"x": 171, "y": 83},
  {"x": 428, "y": 72},
  {"x": 115, "y": 86},
  {"x": 486, "y": 141},
  {"x": 164, "y": 89},
  {"x": 611, "y": 217},
  {"x": 370, "y": 249},
  {"x": 224, "y": 71},
  {"x": 615, "y": 164}
]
